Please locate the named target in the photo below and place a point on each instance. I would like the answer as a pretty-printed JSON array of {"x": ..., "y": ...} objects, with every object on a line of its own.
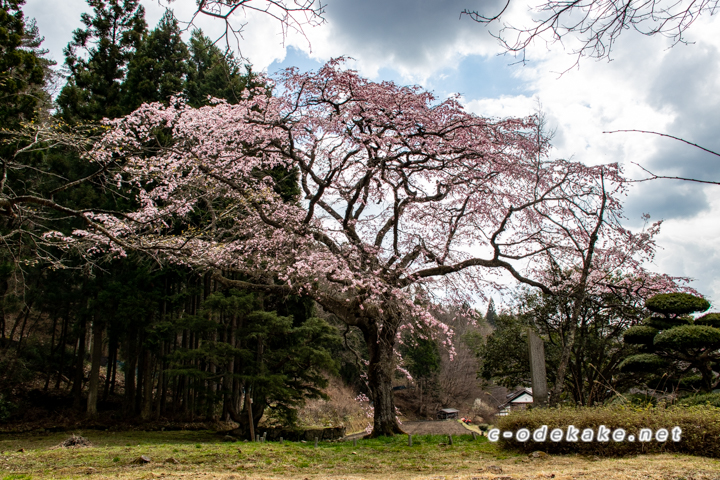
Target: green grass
[
  {"x": 113, "y": 453},
  {"x": 430, "y": 456}
]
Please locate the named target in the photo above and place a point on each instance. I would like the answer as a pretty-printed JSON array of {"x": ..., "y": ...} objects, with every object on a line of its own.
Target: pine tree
[
  {"x": 214, "y": 73},
  {"x": 159, "y": 67},
  {"x": 23, "y": 70},
  {"x": 110, "y": 37},
  {"x": 674, "y": 345},
  {"x": 491, "y": 315}
]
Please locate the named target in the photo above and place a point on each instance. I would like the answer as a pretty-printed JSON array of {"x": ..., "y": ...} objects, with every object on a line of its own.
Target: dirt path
[{"x": 441, "y": 427}]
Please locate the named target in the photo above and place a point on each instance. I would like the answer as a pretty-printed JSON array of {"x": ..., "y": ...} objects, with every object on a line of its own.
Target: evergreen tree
[
  {"x": 23, "y": 70},
  {"x": 23, "y": 76},
  {"x": 491, "y": 316},
  {"x": 676, "y": 346},
  {"x": 110, "y": 37},
  {"x": 213, "y": 73},
  {"x": 159, "y": 67}
]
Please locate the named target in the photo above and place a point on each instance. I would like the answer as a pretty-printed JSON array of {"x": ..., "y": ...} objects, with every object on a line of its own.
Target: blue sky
[
  {"x": 474, "y": 76},
  {"x": 647, "y": 86}
]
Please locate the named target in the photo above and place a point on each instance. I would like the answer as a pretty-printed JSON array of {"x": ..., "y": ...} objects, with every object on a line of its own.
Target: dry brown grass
[{"x": 341, "y": 410}]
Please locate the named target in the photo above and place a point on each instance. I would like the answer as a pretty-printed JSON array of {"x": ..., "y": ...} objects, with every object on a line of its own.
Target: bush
[
  {"x": 700, "y": 426},
  {"x": 6, "y": 408},
  {"x": 712, "y": 399}
]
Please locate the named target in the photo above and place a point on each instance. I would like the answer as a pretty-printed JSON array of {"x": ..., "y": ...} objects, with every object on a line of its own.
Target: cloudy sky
[{"x": 646, "y": 86}]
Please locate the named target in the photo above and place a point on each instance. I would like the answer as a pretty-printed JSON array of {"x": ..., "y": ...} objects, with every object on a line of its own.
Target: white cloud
[{"x": 649, "y": 87}]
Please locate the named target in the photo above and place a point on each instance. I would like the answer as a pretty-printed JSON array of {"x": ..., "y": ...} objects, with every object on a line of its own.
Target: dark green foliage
[
  {"x": 594, "y": 365},
  {"x": 23, "y": 70},
  {"x": 691, "y": 383},
  {"x": 491, "y": 315},
  {"x": 640, "y": 335},
  {"x": 711, "y": 399},
  {"x": 6, "y": 408},
  {"x": 662, "y": 323},
  {"x": 710, "y": 319},
  {"x": 643, "y": 362},
  {"x": 215, "y": 74},
  {"x": 159, "y": 67},
  {"x": 110, "y": 36},
  {"x": 700, "y": 429},
  {"x": 687, "y": 348},
  {"x": 676, "y": 303},
  {"x": 504, "y": 356},
  {"x": 281, "y": 361},
  {"x": 422, "y": 356},
  {"x": 689, "y": 337}
]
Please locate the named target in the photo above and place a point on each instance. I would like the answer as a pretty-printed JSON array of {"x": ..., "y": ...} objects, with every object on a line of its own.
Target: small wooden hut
[{"x": 447, "y": 413}]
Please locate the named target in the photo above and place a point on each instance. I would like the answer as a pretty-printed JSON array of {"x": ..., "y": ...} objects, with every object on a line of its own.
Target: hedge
[{"x": 700, "y": 429}]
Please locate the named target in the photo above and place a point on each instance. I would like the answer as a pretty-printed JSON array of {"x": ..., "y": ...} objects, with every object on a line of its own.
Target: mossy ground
[{"x": 205, "y": 455}]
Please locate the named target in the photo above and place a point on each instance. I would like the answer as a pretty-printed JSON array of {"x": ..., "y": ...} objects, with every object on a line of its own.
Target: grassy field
[{"x": 205, "y": 455}]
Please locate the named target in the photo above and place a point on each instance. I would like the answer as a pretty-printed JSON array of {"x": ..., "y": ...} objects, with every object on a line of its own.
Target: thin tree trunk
[
  {"x": 79, "y": 364},
  {"x": 24, "y": 313},
  {"x": 52, "y": 352},
  {"x": 63, "y": 347},
  {"x": 97, "y": 348},
  {"x": 111, "y": 366},
  {"x": 4, "y": 285},
  {"x": 579, "y": 298},
  {"x": 130, "y": 365},
  {"x": 147, "y": 399},
  {"x": 160, "y": 395}
]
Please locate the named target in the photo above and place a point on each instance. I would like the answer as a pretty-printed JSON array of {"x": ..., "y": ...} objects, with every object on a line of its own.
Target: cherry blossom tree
[{"x": 401, "y": 192}]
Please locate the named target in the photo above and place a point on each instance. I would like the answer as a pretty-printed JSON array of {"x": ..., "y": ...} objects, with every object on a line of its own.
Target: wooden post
[
  {"x": 354, "y": 442},
  {"x": 409, "y": 440},
  {"x": 281, "y": 440},
  {"x": 316, "y": 442},
  {"x": 450, "y": 439},
  {"x": 536, "y": 348}
]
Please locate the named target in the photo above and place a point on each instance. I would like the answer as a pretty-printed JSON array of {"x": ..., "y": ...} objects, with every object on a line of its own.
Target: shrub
[
  {"x": 6, "y": 408},
  {"x": 700, "y": 426},
  {"x": 701, "y": 399}
]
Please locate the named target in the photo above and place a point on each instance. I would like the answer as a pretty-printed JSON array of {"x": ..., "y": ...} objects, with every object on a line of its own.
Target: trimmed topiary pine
[
  {"x": 675, "y": 343},
  {"x": 674, "y": 304}
]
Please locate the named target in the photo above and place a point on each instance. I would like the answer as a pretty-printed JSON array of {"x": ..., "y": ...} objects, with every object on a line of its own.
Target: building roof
[
  {"x": 449, "y": 410},
  {"x": 512, "y": 397}
]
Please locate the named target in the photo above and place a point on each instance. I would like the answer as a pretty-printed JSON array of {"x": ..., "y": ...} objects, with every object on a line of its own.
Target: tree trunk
[
  {"x": 111, "y": 366},
  {"x": 130, "y": 365},
  {"x": 79, "y": 364},
  {"x": 97, "y": 348},
  {"x": 147, "y": 398},
  {"x": 707, "y": 376},
  {"x": 52, "y": 352},
  {"x": 381, "y": 343},
  {"x": 565, "y": 354},
  {"x": 4, "y": 285},
  {"x": 63, "y": 347},
  {"x": 578, "y": 297}
]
